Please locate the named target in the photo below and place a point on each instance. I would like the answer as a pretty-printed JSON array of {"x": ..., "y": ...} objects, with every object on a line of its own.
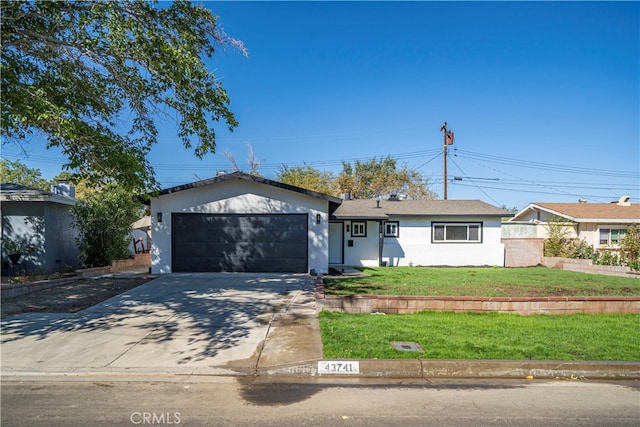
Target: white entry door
[{"x": 336, "y": 242}]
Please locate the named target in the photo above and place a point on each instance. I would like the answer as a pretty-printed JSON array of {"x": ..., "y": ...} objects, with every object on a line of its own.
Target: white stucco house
[
  {"x": 398, "y": 232},
  {"x": 42, "y": 220},
  {"x": 240, "y": 222},
  {"x": 601, "y": 225}
]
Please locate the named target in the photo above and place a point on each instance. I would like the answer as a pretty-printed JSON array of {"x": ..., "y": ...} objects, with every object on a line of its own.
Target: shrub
[
  {"x": 580, "y": 249},
  {"x": 630, "y": 244},
  {"x": 104, "y": 222},
  {"x": 607, "y": 258},
  {"x": 634, "y": 265},
  {"x": 557, "y": 243}
]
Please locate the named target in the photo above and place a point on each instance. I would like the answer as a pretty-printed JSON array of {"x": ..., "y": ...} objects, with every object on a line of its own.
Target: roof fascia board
[
  {"x": 37, "y": 198},
  {"x": 360, "y": 217},
  {"x": 246, "y": 177},
  {"x": 609, "y": 220},
  {"x": 553, "y": 212}
]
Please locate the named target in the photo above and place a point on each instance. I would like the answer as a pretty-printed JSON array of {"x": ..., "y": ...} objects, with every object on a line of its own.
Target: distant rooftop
[
  {"x": 584, "y": 212},
  {"x": 10, "y": 192}
]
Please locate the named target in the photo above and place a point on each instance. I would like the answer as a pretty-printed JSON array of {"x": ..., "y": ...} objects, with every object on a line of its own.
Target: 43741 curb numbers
[{"x": 338, "y": 367}]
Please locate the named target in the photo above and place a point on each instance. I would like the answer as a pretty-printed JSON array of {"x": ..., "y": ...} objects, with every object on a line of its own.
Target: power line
[
  {"x": 545, "y": 166},
  {"x": 585, "y": 196},
  {"x": 477, "y": 186}
]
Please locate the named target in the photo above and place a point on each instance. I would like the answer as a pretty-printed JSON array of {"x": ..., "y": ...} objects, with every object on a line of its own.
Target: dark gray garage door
[{"x": 250, "y": 243}]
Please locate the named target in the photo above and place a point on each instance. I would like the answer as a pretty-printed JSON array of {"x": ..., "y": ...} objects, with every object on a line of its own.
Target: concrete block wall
[
  {"x": 363, "y": 304},
  {"x": 522, "y": 252},
  {"x": 586, "y": 266},
  {"x": 138, "y": 261},
  {"x": 389, "y": 304}
]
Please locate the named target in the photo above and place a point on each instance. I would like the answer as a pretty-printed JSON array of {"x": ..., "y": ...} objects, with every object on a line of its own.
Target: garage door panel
[{"x": 251, "y": 243}]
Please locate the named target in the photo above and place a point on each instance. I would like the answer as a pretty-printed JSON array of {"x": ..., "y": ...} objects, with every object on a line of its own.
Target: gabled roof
[
  {"x": 245, "y": 177},
  {"x": 368, "y": 209},
  {"x": 587, "y": 212},
  {"x": 10, "y": 192}
]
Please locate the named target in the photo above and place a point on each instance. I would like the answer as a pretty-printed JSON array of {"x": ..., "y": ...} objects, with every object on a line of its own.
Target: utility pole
[{"x": 447, "y": 139}]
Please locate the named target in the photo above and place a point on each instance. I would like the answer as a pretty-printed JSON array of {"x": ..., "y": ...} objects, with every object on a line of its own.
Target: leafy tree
[
  {"x": 378, "y": 178},
  {"x": 309, "y": 178},
  {"x": 18, "y": 173},
  {"x": 93, "y": 76},
  {"x": 558, "y": 241},
  {"x": 104, "y": 225},
  {"x": 630, "y": 244}
]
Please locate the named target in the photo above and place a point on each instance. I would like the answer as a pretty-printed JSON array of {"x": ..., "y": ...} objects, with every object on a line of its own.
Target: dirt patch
[{"x": 70, "y": 297}]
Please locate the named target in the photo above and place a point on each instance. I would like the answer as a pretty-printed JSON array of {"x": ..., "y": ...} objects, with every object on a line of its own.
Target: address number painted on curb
[{"x": 338, "y": 367}]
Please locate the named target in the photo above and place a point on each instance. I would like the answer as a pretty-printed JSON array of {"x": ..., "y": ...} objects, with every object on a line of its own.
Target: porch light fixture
[
  {"x": 318, "y": 218},
  {"x": 159, "y": 216}
]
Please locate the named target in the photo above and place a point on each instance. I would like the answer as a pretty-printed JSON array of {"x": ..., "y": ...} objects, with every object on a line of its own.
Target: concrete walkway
[{"x": 224, "y": 324}]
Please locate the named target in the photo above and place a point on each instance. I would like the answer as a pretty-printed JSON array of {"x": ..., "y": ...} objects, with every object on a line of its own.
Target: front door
[{"x": 336, "y": 242}]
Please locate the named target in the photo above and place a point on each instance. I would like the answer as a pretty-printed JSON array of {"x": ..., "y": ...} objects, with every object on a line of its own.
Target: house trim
[{"x": 246, "y": 177}]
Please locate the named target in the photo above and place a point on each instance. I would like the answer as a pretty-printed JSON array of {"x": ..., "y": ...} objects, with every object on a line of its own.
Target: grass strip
[
  {"x": 448, "y": 335},
  {"x": 482, "y": 281}
]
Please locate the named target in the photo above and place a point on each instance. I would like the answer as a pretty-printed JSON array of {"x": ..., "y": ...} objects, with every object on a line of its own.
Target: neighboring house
[
  {"x": 601, "y": 225},
  {"x": 240, "y": 222},
  {"x": 416, "y": 233},
  {"x": 43, "y": 221}
]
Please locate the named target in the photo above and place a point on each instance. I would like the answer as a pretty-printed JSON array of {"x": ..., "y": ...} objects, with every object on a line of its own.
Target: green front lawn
[
  {"x": 447, "y": 335},
  {"x": 482, "y": 281}
]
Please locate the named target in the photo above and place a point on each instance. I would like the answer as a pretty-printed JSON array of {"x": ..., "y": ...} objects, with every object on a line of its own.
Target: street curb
[
  {"x": 386, "y": 368},
  {"x": 431, "y": 368}
]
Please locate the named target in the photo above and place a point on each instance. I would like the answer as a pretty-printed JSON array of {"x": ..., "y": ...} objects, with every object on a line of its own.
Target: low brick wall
[
  {"x": 586, "y": 266},
  {"x": 12, "y": 290},
  {"x": 525, "y": 306},
  {"x": 138, "y": 261}
]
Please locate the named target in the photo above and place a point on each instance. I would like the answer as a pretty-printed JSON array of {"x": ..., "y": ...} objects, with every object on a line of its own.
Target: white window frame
[
  {"x": 358, "y": 228},
  {"x": 392, "y": 229},
  {"x": 608, "y": 244},
  {"x": 468, "y": 225}
]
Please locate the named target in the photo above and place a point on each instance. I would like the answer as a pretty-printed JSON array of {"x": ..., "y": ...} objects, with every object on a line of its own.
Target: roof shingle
[
  {"x": 593, "y": 211},
  {"x": 368, "y": 209}
]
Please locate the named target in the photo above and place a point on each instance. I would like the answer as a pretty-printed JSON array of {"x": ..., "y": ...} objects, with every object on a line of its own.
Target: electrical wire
[
  {"x": 545, "y": 166},
  {"x": 473, "y": 182}
]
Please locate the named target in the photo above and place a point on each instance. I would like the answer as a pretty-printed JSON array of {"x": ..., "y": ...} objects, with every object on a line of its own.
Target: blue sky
[{"x": 543, "y": 97}]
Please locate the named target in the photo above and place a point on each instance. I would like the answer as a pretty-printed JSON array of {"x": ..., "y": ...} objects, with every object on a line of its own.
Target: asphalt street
[{"x": 251, "y": 401}]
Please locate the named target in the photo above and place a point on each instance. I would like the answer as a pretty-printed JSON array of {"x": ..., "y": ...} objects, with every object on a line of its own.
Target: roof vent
[{"x": 624, "y": 201}]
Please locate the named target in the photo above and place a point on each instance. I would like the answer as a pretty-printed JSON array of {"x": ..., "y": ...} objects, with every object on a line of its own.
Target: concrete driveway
[{"x": 213, "y": 323}]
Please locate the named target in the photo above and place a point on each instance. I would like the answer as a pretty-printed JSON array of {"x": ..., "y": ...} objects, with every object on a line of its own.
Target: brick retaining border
[
  {"x": 12, "y": 290},
  {"x": 390, "y": 304}
]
